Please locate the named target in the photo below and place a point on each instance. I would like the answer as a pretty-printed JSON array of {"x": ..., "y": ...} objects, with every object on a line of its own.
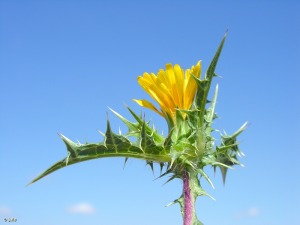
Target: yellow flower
[{"x": 171, "y": 88}]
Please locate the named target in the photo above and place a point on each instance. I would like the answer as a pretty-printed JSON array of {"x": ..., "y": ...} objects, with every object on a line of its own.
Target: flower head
[{"x": 172, "y": 89}]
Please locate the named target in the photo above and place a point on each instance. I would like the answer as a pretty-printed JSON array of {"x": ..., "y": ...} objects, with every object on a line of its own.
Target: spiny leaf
[
  {"x": 113, "y": 146},
  {"x": 202, "y": 173},
  {"x": 131, "y": 126},
  {"x": 158, "y": 138},
  {"x": 235, "y": 134},
  {"x": 211, "y": 112},
  {"x": 168, "y": 141},
  {"x": 228, "y": 152},
  {"x": 223, "y": 149},
  {"x": 113, "y": 141},
  {"x": 203, "y": 86},
  {"x": 211, "y": 69}
]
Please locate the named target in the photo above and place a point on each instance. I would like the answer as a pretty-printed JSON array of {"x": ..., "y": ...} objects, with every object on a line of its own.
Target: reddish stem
[{"x": 188, "y": 200}]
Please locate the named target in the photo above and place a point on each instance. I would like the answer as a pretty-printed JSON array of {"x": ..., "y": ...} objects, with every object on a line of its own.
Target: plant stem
[{"x": 188, "y": 200}]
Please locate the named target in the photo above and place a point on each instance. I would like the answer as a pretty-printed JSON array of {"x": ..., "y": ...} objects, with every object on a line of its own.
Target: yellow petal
[
  {"x": 171, "y": 88},
  {"x": 179, "y": 74},
  {"x": 196, "y": 70},
  {"x": 190, "y": 84},
  {"x": 148, "y": 105},
  {"x": 170, "y": 73},
  {"x": 154, "y": 87}
]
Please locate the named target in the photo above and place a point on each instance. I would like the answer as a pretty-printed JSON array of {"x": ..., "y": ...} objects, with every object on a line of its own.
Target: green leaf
[
  {"x": 114, "y": 145},
  {"x": 204, "y": 85},
  {"x": 210, "y": 113},
  {"x": 202, "y": 173},
  {"x": 157, "y": 137},
  {"x": 212, "y": 67},
  {"x": 227, "y": 154},
  {"x": 133, "y": 127}
]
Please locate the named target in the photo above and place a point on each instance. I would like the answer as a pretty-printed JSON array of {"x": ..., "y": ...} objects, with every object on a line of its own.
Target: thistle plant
[{"x": 189, "y": 146}]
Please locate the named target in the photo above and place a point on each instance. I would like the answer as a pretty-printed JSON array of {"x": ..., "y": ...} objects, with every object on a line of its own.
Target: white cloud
[
  {"x": 251, "y": 212},
  {"x": 4, "y": 210},
  {"x": 81, "y": 208}
]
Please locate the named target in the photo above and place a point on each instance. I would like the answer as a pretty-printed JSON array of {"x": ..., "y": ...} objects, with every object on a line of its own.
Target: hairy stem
[{"x": 188, "y": 210}]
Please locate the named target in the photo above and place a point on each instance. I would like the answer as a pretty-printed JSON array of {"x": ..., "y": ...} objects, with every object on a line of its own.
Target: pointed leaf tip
[
  {"x": 226, "y": 32},
  {"x": 71, "y": 146},
  {"x": 66, "y": 140}
]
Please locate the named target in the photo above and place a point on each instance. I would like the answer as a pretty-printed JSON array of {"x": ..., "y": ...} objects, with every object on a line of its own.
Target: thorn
[
  {"x": 165, "y": 173},
  {"x": 126, "y": 159},
  {"x": 226, "y": 32},
  {"x": 171, "y": 203},
  {"x": 101, "y": 133},
  {"x": 67, "y": 159},
  {"x": 69, "y": 144},
  {"x": 170, "y": 179},
  {"x": 151, "y": 165},
  {"x": 161, "y": 167}
]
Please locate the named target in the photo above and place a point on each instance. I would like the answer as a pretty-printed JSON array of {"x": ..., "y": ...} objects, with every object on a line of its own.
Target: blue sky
[{"x": 62, "y": 63}]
